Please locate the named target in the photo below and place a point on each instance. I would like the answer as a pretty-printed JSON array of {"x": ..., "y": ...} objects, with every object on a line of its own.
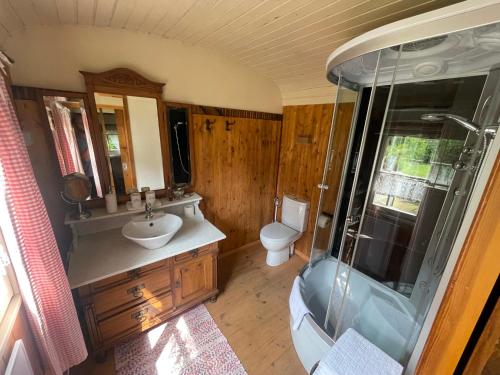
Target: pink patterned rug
[{"x": 190, "y": 344}]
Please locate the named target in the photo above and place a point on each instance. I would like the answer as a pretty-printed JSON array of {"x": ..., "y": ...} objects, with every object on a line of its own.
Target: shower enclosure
[{"x": 423, "y": 118}]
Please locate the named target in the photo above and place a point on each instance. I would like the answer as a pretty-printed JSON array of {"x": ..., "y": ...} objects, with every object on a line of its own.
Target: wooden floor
[{"x": 251, "y": 311}]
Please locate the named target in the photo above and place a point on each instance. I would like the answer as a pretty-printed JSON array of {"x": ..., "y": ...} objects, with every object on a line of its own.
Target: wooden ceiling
[{"x": 286, "y": 40}]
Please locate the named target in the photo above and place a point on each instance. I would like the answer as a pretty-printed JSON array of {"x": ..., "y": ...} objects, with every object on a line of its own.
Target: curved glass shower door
[
  {"x": 339, "y": 146},
  {"x": 416, "y": 147}
]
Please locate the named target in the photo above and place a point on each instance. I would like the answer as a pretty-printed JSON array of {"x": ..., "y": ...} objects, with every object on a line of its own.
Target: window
[
  {"x": 410, "y": 165},
  {"x": 9, "y": 299}
]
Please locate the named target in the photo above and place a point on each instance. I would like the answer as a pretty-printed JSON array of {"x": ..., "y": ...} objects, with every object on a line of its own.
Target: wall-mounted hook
[
  {"x": 209, "y": 124},
  {"x": 229, "y": 124}
]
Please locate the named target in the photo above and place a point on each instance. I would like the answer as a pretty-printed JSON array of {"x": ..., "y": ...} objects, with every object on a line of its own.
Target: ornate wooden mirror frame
[{"x": 123, "y": 81}]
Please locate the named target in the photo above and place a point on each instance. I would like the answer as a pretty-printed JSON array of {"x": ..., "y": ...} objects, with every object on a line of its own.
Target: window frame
[{"x": 7, "y": 321}]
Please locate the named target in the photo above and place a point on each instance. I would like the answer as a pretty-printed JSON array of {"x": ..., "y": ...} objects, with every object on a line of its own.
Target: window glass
[{"x": 410, "y": 164}]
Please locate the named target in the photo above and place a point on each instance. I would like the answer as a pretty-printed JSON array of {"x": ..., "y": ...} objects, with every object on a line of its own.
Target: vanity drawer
[
  {"x": 122, "y": 278},
  {"x": 131, "y": 293},
  {"x": 196, "y": 252},
  {"x": 136, "y": 319}
]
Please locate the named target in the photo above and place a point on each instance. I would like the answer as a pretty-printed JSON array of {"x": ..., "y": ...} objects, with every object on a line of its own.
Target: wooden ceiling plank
[
  {"x": 292, "y": 56},
  {"x": 177, "y": 8},
  {"x": 225, "y": 12},
  {"x": 123, "y": 10},
  {"x": 258, "y": 11},
  {"x": 157, "y": 13},
  {"x": 139, "y": 15},
  {"x": 104, "y": 12},
  {"x": 315, "y": 38},
  {"x": 67, "y": 12},
  {"x": 8, "y": 17},
  {"x": 198, "y": 13},
  {"x": 360, "y": 24},
  {"x": 47, "y": 12},
  {"x": 26, "y": 12},
  {"x": 85, "y": 12},
  {"x": 238, "y": 19},
  {"x": 313, "y": 24},
  {"x": 255, "y": 31}
]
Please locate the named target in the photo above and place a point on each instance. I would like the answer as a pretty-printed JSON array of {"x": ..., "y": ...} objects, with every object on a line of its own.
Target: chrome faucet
[{"x": 149, "y": 211}]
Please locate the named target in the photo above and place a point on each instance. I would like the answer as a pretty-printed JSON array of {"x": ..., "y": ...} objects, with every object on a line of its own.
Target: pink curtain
[
  {"x": 64, "y": 138},
  {"x": 33, "y": 250}
]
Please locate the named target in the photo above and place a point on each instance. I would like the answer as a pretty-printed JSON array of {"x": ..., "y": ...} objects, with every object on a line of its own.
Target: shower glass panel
[
  {"x": 417, "y": 144},
  {"x": 338, "y": 148}
]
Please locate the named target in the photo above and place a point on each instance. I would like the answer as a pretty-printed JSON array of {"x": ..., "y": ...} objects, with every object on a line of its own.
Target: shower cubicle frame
[{"x": 455, "y": 18}]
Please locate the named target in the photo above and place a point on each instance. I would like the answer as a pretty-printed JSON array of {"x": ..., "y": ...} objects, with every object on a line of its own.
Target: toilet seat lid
[{"x": 277, "y": 231}]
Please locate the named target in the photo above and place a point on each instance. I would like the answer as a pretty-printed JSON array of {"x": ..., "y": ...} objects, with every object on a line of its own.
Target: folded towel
[
  {"x": 298, "y": 308},
  {"x": 352, "y": 354}
]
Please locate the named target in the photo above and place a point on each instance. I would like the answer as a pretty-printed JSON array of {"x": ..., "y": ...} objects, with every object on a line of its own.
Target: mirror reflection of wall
[
  {"x": 178, "y": 128},
  {"x": 132, "y": 138},
  {"x": 69, "y": 125}
]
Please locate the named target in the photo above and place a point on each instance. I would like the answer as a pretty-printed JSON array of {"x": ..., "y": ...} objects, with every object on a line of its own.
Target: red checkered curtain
[{"x": 33, "y": 250}]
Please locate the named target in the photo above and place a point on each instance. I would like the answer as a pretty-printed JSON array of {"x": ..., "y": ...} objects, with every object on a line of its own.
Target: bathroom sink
[{"x": 152, "y": 233}]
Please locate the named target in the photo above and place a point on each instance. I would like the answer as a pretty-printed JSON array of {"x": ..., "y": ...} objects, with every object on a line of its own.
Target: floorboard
[{"x": 251, "y": 311}]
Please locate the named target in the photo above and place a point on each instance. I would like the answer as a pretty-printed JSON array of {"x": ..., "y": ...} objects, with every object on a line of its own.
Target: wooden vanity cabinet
[{"x": 121, "y": 306}]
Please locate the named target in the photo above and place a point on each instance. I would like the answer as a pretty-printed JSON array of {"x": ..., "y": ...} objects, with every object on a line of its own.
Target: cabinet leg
[
  {"x": 100, "y": 356},
  {"x": 213, "y": 299}
]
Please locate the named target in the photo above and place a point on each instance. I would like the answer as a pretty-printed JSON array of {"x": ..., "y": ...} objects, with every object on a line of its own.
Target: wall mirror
[
  {"x": 178, "y": 128},
  {"x": 70, "y": 127},
  {"x": 131, "y": 133},
  {"x": 130, "y": 118}
]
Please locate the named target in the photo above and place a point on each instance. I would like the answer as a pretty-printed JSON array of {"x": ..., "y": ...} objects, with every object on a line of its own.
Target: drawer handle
[
  {"x": 177, "y": 284},
  {"x": 194, "y": 253},
  {"x": 136, "y": 291},
  {"x": 140, "y": 316}
]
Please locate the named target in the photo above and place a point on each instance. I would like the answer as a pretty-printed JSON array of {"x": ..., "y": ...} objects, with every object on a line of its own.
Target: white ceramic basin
[{"x": 152, "y": 233}]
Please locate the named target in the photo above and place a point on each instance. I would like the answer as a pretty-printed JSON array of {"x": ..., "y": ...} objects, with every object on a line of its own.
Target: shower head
[
  {"x": 435, "y": 117},
  {"x": 176, "y": 125}
]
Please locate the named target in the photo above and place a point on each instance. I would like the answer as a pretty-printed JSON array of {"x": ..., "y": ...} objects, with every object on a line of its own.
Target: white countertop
[{"x": 105, "y": 254}]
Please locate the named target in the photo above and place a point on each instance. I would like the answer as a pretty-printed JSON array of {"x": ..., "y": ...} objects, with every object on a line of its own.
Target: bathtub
[{"x": 383, "y": 316}]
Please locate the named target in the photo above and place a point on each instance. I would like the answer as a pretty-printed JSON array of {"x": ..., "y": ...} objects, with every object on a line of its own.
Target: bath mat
[{"x": 190, "y": 344}]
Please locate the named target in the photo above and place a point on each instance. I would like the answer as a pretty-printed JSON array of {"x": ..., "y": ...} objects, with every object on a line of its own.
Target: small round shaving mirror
[{"x": 77, "y": 188}]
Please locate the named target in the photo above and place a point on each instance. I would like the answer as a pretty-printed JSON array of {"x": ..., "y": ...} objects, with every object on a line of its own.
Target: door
[
  {"x": 193, "y": 279},
  {"x": 126, "y": 153}
]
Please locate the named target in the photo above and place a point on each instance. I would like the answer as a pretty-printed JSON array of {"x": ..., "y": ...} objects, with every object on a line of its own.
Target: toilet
[{"x": 278, "y": 238}]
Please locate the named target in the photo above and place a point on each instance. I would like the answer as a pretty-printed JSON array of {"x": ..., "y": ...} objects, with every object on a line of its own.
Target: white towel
[
  {"x": 298, "y": 308},
  {"x": 352, "y": 354}
]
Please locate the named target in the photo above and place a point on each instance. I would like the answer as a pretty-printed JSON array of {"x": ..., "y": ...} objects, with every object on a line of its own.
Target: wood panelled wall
[
  {"x": 304, "y": 143},
  {"x": 235, "y": 171}
]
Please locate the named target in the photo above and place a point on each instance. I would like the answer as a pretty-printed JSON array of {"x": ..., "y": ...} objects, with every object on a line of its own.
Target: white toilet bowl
[{"x": 278, "y": 239}]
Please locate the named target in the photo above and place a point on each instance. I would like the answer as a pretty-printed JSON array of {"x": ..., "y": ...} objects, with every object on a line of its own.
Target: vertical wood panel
[
  {"x": 303, "y": 150},
  {"x": 235, "y": 172}
]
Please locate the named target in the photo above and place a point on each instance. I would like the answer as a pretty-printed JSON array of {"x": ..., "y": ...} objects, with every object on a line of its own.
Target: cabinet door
[{"x": 193, "y": 279}]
